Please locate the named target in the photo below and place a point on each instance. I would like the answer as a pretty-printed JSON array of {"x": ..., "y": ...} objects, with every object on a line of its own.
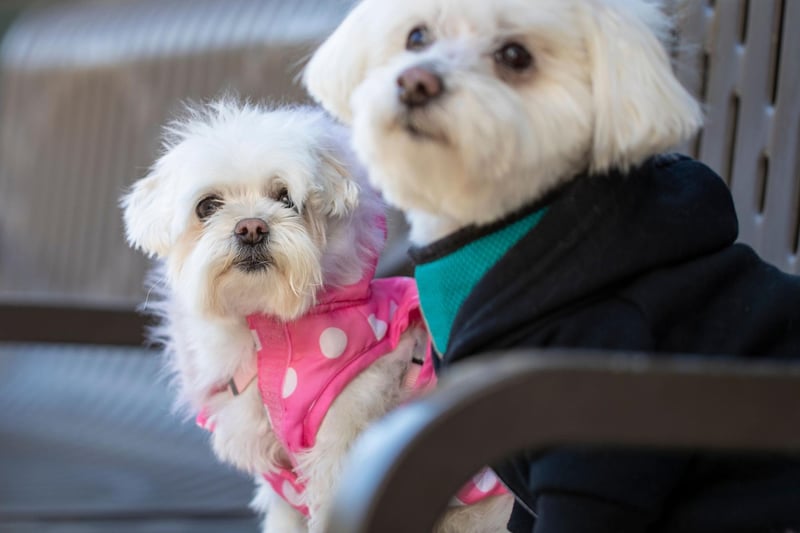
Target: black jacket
[{"x": 643, "y": 262}]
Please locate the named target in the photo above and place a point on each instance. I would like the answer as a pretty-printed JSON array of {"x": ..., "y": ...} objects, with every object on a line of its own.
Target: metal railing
[{"x": 403, "y": 470}]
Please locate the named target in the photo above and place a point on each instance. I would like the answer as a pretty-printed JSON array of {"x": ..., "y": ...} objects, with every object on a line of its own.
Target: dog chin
[
  {"x": 419, "y": 126},
  {"x": 417, "y": 159},
  {"x": 251, "y": 266},
  {"x": 234, "y": 287},
  {"x": 253, "y": 262},
  {"x": 247, "y": 290}
]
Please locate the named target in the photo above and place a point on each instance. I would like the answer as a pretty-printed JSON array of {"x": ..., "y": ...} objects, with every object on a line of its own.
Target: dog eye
[
  {"x": 418, "y": 39},
  {"x": 208, "y": 206},
  {"x": 283, "y": 197},
  {"x": 514, "y": 56}
]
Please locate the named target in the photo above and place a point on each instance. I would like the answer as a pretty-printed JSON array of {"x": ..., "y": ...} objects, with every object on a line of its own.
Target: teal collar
[{"x": 449, "y": 269}]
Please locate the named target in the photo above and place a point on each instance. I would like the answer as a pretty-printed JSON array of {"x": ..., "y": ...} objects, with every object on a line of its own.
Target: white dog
[
  {"x": 269, "y": 240},
  {"x": 525, "y": 95},
  {"x": 524, "y": 140}
]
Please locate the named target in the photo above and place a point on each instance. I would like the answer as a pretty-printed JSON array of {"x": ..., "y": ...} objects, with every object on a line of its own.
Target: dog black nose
[
  {"x": 251, "y": 231},
  {"x": 416, "y": 86}
]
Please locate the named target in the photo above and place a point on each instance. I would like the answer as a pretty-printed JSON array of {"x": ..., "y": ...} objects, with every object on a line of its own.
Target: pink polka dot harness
[{"x": 305, "y": 364}]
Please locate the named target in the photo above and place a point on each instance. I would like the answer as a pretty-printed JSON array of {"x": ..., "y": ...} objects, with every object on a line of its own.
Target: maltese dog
[
  {"x": 526, "y": 140},
  {"x": 465, "y": 111},
  {"x": 278, "y": 335}
]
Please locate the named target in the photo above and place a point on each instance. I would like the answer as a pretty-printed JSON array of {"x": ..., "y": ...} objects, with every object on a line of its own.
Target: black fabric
[
  {"x": 451, "y": 243},
  {"x": 642, "y": 262}
]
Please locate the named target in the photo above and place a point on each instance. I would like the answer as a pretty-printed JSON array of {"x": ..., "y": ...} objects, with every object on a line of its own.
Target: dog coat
[
  {"x": 647, "y": 262},
  {"x": 305, "y": 364}
]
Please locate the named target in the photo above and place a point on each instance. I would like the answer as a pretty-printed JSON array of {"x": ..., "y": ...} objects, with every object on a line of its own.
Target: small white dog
[
  {"x": 277, "y": 333},
  {"x": 524, "y": 95}
]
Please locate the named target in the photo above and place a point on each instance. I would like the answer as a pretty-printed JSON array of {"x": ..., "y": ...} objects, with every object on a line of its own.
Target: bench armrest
[{"x": 403, "y": 470}]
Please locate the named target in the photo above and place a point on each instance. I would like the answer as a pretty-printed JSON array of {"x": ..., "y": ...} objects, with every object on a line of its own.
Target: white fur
[
  {"x": 279, "y": 516},
  {"x": 601, "y": 95},
  {"x": 243, "y": 154}
]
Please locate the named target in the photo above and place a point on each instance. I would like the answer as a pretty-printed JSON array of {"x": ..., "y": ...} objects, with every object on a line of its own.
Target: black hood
[{"x": 599, "y": 233}]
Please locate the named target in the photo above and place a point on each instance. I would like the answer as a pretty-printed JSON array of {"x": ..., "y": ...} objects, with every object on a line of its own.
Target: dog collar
[{"x": 448, "y": 270}]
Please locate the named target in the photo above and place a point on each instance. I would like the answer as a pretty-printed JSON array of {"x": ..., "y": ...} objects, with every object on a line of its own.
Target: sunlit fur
[
  {"x": 246, "y": 154},
  {"x": 601, "y": 95}
]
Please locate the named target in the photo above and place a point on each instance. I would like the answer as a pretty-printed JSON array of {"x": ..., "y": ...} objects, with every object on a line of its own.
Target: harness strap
[
  {"x": 412, "y": 375},
  {"x": 242, "y": 379}
]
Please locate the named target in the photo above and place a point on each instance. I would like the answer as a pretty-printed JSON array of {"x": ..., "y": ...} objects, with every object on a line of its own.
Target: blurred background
[{"x": 87, "y": 440}]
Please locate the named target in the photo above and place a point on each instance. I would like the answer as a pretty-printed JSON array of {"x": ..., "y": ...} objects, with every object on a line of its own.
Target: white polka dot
[
  {"x": 289, "y": 382},
  {"x": 392, "y": 309},
  {"x": 291, "y": 495},
  {"x": 378, "y": 326},
  {"x": 485, "y": 480},
  {"x": 208, "y": 424},
  {"x": 332, "y": 342}
]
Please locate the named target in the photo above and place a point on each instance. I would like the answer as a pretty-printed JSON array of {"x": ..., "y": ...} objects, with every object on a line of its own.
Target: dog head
[
  {"x": 253, "y": 210},
  {"x": 465, "y": 110}
]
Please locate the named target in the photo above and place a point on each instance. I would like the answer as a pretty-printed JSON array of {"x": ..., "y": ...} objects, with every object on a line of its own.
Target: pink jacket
[{"x": 305, "y": 364}]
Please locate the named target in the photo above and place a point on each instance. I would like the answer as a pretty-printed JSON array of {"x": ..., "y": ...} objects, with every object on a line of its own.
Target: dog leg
[
  {"x": 279, "y": 516},
  {"x": 242, "y": 434},
  {"x": 373, "y": 393},
  {"x": 487, "y": 516}
]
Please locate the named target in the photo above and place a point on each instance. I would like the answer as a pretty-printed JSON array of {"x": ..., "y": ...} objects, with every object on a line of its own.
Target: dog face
[
  {"x": 252, "y": 210},
  {"x": 466, "y": 110}
]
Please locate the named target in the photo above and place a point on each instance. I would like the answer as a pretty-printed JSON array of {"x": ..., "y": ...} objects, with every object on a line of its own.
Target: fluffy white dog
[
  {"x": 266, "y": 231},
  {"x": 524, "y": 140},
  {"x": 464, "y": 111}
]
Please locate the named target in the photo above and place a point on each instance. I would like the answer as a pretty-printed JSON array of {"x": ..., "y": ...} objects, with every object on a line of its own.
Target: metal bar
[
  {"x": 30, "y": 323},
  {"x": 487, "y": 409}
]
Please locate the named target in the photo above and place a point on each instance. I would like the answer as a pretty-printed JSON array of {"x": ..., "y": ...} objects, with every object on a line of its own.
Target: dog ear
[
  {"x": 147, "y": 216},
  {"x": 339, "y": 188},
  {"x": 340, "y": 64},
  {"x": 640, "y": 106}
]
